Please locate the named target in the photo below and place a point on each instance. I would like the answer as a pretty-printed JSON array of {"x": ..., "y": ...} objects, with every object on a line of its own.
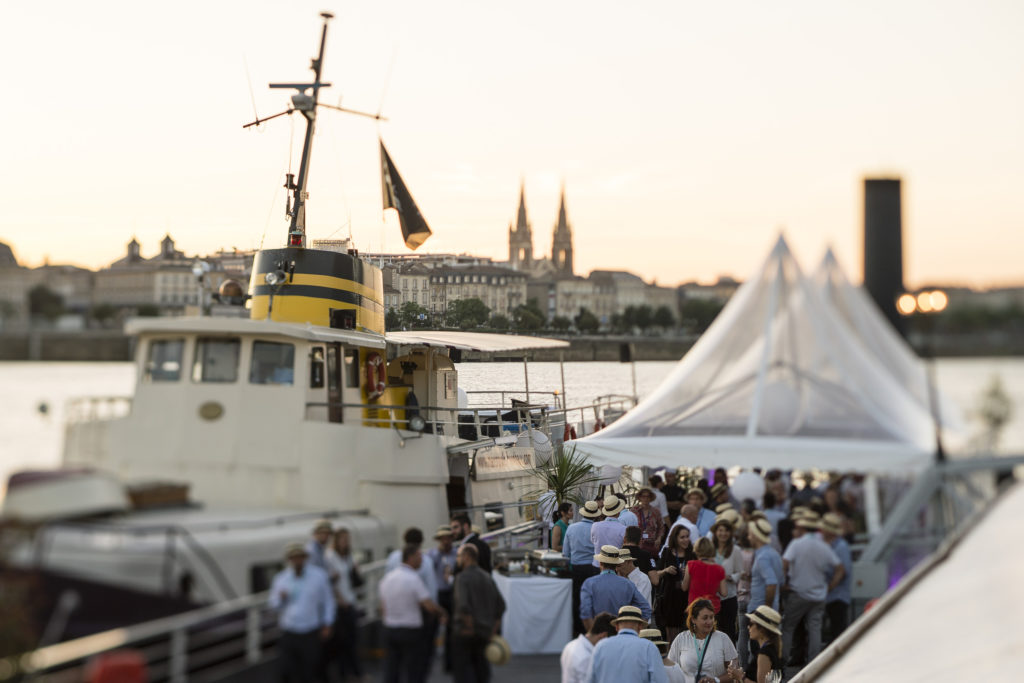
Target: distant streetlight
[{"x": 927, "y": 304}]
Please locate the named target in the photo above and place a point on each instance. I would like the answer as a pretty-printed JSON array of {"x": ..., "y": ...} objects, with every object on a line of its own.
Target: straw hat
[
  {"x": 718, "y": 489},
  {"x": 800, "y": 511},
  {"x": 767, "y": 618},
  {"x": 810, "y": 520},
  {"x": 699, "y": 492},
  {"x": 295, "y": 550},
  {"x": 832, "y": 523},
  {"x": 653, "y": 635},
  {"x": 442, "y": 531},
  {"x": 625, "y": 555},
  {"x": 761, "y": 529},
  {"x": 323, "y": 525},
  {"x": 719, "y": 509},
  {"x": 609, "y": 555},
  {"x": 730, "y": 517},
  {"x": 613, "y": 505},
  {"x": 590, "y": 509},
  {"x": 497, "y": 650},
  {"x": 629, "y": 613}
]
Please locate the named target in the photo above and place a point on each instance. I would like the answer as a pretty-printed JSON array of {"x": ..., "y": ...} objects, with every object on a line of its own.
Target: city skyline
[{"x": 686, "y": 136}]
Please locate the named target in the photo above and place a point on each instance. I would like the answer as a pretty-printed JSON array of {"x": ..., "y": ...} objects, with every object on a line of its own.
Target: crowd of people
[
  {"x": 685, "y": 584},
  {"x": 696, "y": 585},
  {"x": 447, "y": 587}
]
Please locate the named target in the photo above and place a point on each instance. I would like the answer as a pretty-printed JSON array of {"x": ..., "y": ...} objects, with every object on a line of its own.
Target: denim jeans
[{"x": 811, "y": 612}]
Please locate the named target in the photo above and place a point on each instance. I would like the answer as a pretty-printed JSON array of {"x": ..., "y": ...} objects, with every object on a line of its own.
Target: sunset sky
[{"x": 687, "y": 134}]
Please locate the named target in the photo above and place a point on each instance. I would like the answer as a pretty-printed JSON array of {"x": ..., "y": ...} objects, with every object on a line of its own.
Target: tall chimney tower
[{"x": 883, "y": 246}]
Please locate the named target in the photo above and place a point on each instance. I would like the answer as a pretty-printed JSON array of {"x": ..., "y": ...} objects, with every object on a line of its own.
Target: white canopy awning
[
  {"x": 778, "y": 380},
  {"x": 474, "y": 341}
]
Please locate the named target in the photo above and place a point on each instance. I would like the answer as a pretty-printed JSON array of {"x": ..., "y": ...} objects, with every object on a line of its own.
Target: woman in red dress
[{"x": 704, "y": 578}]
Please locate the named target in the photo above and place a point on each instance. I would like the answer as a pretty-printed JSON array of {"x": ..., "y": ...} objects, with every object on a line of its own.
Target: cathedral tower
[
  {"x": 520, "y": 238},
  {"x": 561, "y": 242}
]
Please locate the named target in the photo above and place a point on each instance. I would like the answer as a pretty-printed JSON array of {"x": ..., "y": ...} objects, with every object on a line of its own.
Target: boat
[{"x": 247, "y": 427}]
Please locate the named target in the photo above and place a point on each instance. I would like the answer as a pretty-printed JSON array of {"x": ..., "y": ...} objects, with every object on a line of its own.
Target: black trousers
[
  {"x": 579, "y": 575},
  {"x": 343, "y": 648},
  {"x": 469, "y": 665},
  {"x": 837, "y": 618},
  {"x": 727, "y": 617},
  {"x": 301, "y": 655},
  {"x": 404, "y": 663},
  {"x": 444, "y": 598}
]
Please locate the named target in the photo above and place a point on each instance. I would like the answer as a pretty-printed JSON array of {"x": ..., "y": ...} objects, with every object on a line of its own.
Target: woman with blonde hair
[
  {"x": 704, "y": 578},
  {"x": 703, "y": 653}
]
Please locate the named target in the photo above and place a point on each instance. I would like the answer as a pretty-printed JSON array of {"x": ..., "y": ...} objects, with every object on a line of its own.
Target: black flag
[{"x": 397, "y": 197}]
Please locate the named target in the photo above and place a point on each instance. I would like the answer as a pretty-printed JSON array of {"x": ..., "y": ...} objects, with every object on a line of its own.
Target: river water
[{"x": 32, "y": 438}]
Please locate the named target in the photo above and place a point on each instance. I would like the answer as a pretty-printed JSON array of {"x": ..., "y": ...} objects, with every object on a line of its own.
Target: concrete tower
[
  {"x": 561, "y": 242},
  {"x": 520, "y": 238},
  {"x": 883, "y": 245}
]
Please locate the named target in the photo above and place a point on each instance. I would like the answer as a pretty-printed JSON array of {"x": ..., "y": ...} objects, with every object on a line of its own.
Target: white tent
[
  {"x": 779, "y": 380},
  {"x": 862, "y": 316}
]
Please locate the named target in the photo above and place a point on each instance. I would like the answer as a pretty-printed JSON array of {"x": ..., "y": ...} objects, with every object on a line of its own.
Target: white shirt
[
  {"x": 401, "y": 592},
  {"x": 660, "y": 502},
  {"x": 675, "y": 675},
  {"x": 642, "y": 583},
  {"x": 576, "y": 660},
  {"x": 684, "y": 653},
  {"x": 811, "y": 563},
  {"x": 426, "y": 571},
  {"x": 694, "y": 533},
  {"x": 340, "y": 568}
]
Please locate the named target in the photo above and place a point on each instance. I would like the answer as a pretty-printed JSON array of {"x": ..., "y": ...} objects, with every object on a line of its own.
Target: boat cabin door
[{"x": 335, "y": 365}]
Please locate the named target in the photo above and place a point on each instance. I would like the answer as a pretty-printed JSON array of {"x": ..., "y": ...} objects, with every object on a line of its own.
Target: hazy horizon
[{"x": 686, "y": 135}]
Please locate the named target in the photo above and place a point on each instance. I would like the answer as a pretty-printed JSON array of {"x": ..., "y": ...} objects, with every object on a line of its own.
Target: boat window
[
  {"x": 272, "y": 363},
  {"x": 352, "y": 367},
  {"x": 164, "y": 361},
  {"x": 216, "y": 360}
]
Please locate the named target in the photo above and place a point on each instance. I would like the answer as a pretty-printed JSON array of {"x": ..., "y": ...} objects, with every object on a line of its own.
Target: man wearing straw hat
[
  {"x": 627, "y": 658},
  {"x": 705, "y": 517},
  {"x": 808, "y": 562},
  {"x": 672, "y": 671},
  {"x": 578, "y": 547},
  {"x": 609, "y": 531},
  {"x": 837, "y": 602},
  {"x": 303, "y": 595},
  {"x": 607, "y": 591},
  {"x": 629, "y": 569}
]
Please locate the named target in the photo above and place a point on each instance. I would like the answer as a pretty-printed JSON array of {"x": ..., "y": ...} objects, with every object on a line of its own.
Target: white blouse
[
  {"x": 720, "y": 652},
  {"x": 733, "y": 566}
]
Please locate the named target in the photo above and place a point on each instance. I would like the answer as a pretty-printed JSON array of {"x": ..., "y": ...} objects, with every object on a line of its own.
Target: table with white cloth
[{"x": 538, "y": 613}]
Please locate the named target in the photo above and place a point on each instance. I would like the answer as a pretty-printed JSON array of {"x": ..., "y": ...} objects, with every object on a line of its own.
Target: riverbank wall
[{"x": 113, "y": 345}]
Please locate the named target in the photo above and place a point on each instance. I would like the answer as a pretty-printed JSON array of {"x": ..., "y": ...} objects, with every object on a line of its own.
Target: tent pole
[
  {"x": 773, "y": 303},
  {"x": 561, "y": 368},
  {"x": 872, "y": 505},
  {"x": 526, "y": 378}
]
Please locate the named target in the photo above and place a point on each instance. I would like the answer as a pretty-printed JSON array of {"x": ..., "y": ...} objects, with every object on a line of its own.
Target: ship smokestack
[{"x": 883, "y": 246}]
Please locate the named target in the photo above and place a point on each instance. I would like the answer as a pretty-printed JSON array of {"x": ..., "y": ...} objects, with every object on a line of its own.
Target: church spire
[
  {"x": 561, "y": 242},
  {"x": 520, "y": 239},
  {"x": 521, "y": 219}
]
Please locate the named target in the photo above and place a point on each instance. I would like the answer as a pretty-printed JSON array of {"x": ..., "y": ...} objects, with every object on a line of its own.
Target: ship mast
[{"x": 306, "y": 104}]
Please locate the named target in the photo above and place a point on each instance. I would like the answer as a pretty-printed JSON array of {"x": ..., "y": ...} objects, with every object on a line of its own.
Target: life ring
[
  {"x": 376, "y": 376},
  {"x": 569, "y": 433}
]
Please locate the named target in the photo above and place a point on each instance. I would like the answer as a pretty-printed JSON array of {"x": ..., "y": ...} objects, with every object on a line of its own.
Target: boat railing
[
  {"x": 96, "y": 408},
  {"x": 489, "y": 422},
  {"x": 216, "y": 641},
  {"x": 209, "y": 643},
  {"x": 505, "y": 397}
]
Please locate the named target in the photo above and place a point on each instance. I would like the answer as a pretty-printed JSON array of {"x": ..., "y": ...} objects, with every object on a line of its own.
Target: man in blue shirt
[
  {"x": 766, "y": 573},
  {"x": 608, "y": 591},
  {"x": 303, "y": 595},
  {"x": 705, "y": 517},
  {"x": 578, "y": 547},
  {"x": 837, "y": 602},
  {"x": 627, "y": 658},
  {"x": 609, "y": 531}
]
